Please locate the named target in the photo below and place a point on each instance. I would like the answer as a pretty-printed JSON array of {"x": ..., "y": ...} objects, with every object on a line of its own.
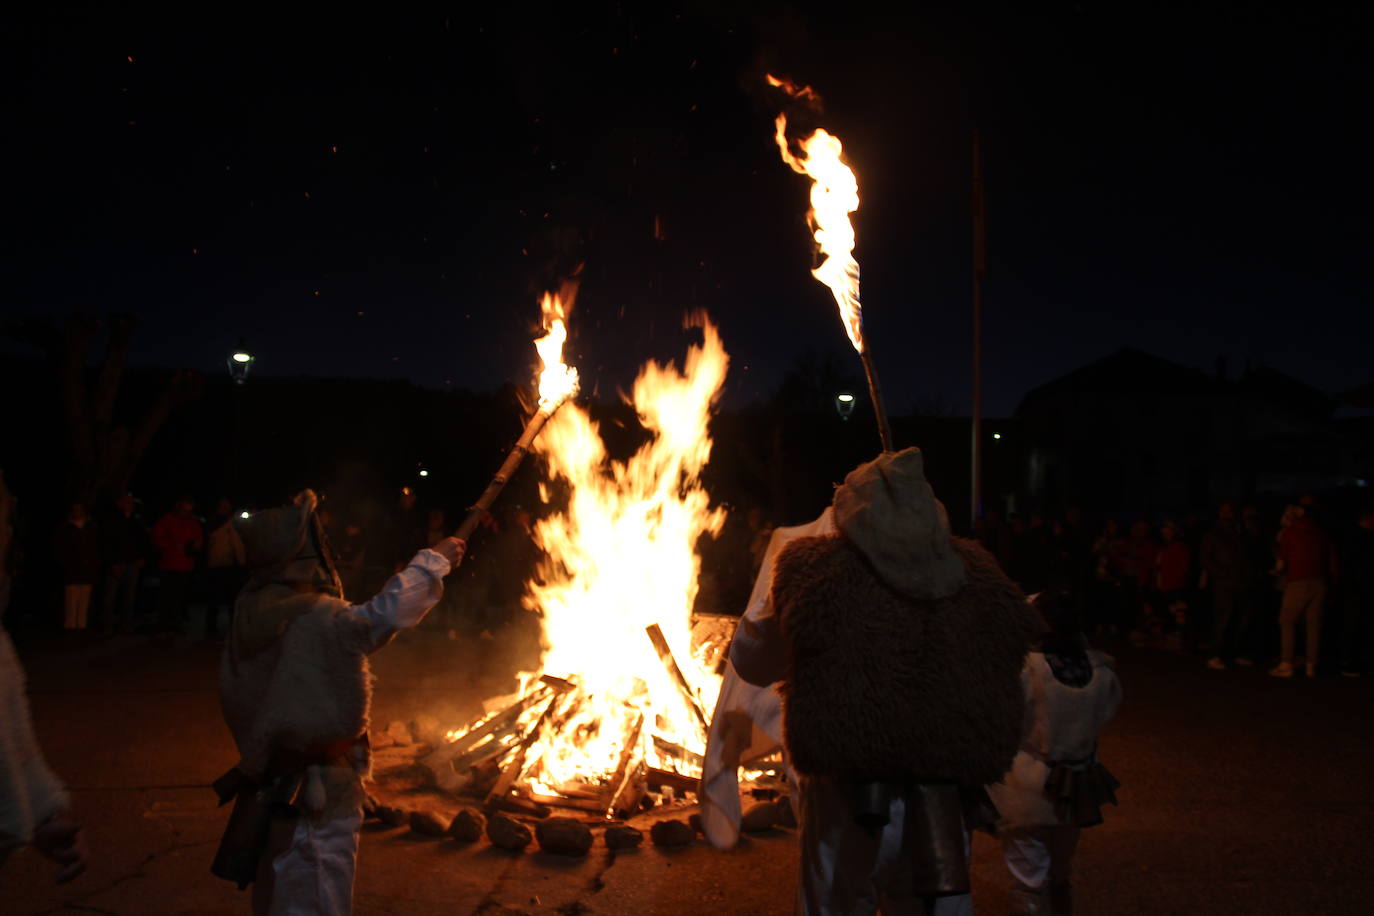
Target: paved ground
[{"x": 1241, "y": 794}]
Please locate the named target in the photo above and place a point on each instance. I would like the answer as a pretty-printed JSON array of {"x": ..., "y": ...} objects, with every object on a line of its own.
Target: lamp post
[{"x": 239, "y": 361}]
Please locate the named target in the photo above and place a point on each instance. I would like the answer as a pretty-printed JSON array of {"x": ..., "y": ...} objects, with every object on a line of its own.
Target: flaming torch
[
  {"x": 834, "y": 195},
  {"x": 557, "y": 383}
]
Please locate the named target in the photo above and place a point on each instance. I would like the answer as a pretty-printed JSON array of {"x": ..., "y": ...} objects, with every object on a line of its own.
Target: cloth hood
[
  {"x": 284, "y": 549},
  {"x": 888, "y": 511}
]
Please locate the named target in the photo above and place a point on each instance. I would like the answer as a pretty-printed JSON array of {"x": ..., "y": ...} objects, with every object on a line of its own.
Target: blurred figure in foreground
[{"x": 33, "y": 802}]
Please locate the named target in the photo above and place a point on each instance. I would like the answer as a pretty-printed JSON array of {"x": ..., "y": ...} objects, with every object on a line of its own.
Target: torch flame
[
  {"x": 834, "y": 195},
  {"x": 620, "y": 558},
  {"x": 557, "y": 380}
]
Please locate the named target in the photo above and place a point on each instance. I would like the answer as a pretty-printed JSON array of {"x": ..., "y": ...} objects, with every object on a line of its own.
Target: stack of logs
[{"x": 487, "y": 760}]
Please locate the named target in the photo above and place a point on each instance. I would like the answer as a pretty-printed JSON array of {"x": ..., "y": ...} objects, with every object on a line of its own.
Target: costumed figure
[
  {"x": 899, "y": 649},
  {"x": 747, "y": 723},
  {"x": 1056, "y": 785},
  {"x": 295, "y": 689},
  {"x": 33, "y": 801}
]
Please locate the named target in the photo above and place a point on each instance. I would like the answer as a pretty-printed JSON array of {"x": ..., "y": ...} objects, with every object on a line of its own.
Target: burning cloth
[
  {"x": 900, "y": 651},
  {"x": 295, "y": 690}
]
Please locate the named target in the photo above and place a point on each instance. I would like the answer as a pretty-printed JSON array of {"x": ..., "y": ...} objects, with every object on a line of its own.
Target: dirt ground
[{"x": 1241, "y": 794}]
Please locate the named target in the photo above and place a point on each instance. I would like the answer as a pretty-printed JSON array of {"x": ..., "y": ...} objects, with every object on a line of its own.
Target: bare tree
[{"x": 105, "y": 453}]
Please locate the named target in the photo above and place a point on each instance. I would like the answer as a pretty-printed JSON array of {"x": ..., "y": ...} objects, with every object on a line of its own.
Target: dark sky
[{"x": 386, "y": 193}]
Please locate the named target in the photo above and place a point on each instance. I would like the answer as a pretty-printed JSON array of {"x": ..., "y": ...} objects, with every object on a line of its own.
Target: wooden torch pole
[{"x": 508, "y": 468}]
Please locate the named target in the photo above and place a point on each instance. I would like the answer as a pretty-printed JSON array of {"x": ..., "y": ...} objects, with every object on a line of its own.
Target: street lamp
[
  {"x": 996, "y": 435},
  {"x": 239, "y": 362},
  {"x": 844, "y": 404}
]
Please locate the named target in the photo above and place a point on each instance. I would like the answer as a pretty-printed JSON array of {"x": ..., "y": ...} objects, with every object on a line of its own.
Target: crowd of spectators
[
  {"x": 1237, "y": 590},
  {"x": 114, "y": 571}
]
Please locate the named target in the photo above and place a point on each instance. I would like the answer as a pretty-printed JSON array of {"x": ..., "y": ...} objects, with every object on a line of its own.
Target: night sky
[{"x": 385, "y": 194}]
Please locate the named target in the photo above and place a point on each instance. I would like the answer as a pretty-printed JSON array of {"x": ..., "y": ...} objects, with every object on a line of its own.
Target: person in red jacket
[
  {"x": 1307, "y": 561},
  {"x": 179, "y": 538}
]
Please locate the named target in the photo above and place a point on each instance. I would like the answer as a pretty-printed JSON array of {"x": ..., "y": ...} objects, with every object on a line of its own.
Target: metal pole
[{"x": 979, "y": 266}]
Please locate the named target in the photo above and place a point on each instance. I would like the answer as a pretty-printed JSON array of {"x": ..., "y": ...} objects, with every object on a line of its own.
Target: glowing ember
[
  {"x": 620, "y": 558},
  {"x": 834, "y": 195}
]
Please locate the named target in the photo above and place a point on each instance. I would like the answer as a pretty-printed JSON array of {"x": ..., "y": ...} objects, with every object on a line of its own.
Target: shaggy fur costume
[
  {"x": 310, "y": 687},
  {"x": 881, "y": 686}
]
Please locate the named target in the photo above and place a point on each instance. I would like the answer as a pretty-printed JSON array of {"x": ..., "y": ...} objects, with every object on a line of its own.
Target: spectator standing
[
  {"x": 7, "y": 502},
  {"x": 77, "y": 549},
  {"x": 179, "y": 539},
  {"x": 436, "y": 527},
  {"x": 1110, "y": 586},
  {"x": 1357, "y": 647},
  {"x": 1307, "y": 562},
  {"x": 1227, "y": 561},
  {"x": 223, "y": 566},
  {"x": 1173, "y": 568},
  {"x": 405, "y": 530},
  {"x": 124, "y": 548},
  {"x": 1139, "y": 568}
]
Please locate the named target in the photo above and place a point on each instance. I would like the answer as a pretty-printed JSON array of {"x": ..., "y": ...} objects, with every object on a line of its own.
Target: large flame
[
  {"x": 557, "y": 380},
  {"x": 622, "y": 557},
  {"x": 834, "y": 195}
]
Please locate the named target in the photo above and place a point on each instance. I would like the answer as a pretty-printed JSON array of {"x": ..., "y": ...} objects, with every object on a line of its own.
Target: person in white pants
[
  {"x": 295, "y": 690},
  {"x": 1056, "y": 785}
]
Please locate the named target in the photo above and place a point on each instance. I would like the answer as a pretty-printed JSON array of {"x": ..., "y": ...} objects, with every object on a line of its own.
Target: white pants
[
  {"x": 307, "y": 869},
  {"x": 1039, "y": 857},
  {"x": 846, "y": 871},
  {"x": 75, "y": 605}
]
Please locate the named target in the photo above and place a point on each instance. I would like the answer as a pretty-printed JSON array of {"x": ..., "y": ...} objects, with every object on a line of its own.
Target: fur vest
[
  {"x": 309, "y": 687},
  {"x": 886, "y": 687}
]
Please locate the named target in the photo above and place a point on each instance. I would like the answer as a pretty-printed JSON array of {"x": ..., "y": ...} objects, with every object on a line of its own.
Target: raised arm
[{"x": 408, "y": 595}]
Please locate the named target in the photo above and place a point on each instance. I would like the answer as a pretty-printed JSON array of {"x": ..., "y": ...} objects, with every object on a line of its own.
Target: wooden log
[
  {"x": 622, "y": 768},
  {"x": 665, "y": 654},
  {"x": 504, "y": 722},
  {"x": 678, "y": 751},
  {"x": 627, "y": 801},
  {"x": 562, "y": 801},
  {"x": 680, "y": 783}
]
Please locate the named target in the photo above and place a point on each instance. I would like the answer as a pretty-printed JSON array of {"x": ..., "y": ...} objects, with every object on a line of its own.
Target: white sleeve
[
  {"x": 406, "y": 597},
  {"x": 759, "y": 650}
]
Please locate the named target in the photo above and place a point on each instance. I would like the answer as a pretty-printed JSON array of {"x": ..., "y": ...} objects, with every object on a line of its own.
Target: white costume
[
  {"x": 747, "y": 722},
  {"x": 29, "y": 792},
  {"x": 1060, "y": 728},
  {"x": 295, "y": 689}
]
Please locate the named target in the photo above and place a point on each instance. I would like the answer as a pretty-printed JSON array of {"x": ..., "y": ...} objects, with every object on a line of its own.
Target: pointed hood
[{"x": 888, "y": 511}]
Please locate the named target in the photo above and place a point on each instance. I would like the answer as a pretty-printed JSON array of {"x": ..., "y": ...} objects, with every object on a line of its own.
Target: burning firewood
[{"x": 665, "y": 653}]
